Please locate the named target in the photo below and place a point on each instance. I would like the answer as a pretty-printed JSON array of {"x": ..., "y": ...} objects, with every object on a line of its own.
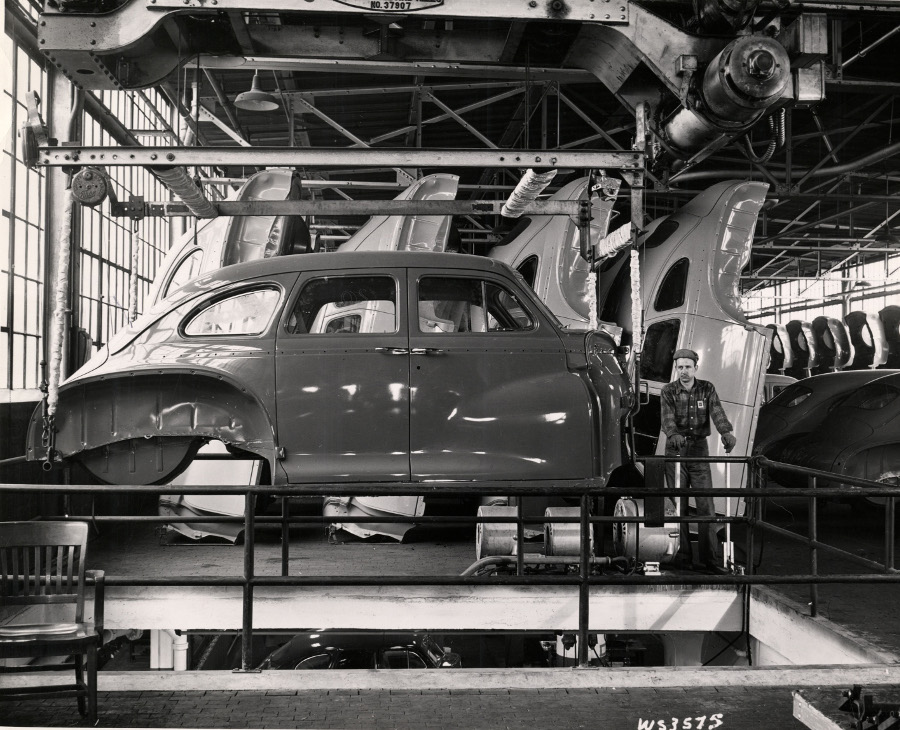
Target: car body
[
  {"x": 546, "y": 250},
  {"x": 859, "y": 437},
  {"x": 781, "y": 356},
  {"x": 409, "y": 232},
  {"x": 867, "y": 336},
  {"x": 805, "y": 347},
  {"x": 475, "y": 379},
  {"x": 832, "y": 344},
  {"x": 802, "y": 406},
  {"x": 357, "y": 650},
  {"x": 690, "y": 267},
  {"x": 227, "y": 240},
  {"x": 890, "y": 318}
]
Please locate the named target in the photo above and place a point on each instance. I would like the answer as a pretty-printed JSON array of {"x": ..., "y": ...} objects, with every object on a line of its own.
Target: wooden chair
[{"x": 42, "y": 566}]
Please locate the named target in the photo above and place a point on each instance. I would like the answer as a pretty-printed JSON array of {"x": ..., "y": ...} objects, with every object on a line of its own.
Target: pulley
[{"x": 91, "y": 186}]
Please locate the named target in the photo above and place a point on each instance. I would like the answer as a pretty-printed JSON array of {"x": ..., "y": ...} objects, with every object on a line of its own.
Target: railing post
[
  {"x": 890, "y": 527},
  {"x": 247, "y": 616},
  {"x": 584, "y": 587},
  {"x": 520, "y": 535},
  {"x": 285, "y": 534},
  {"x": 813, "y": 552},
  {"x": 750, "y": 516}
]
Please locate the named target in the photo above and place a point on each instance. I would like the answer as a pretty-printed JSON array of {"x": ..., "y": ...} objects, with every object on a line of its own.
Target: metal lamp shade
[{"x": 256, "y": 100}]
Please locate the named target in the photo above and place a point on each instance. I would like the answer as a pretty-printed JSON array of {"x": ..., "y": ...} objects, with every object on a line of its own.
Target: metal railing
[{"x": 585, "y": 490}]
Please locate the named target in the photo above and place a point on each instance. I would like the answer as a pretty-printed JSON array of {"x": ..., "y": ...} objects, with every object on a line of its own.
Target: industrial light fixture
[{"x": 256, "y": 100}]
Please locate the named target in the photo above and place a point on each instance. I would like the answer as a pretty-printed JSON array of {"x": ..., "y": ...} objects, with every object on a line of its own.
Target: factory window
[
  {"x": 114, "y": 248},
  {"x": 345, "y": 305},
  {"x": 248, "y": 313},
  {"x": 22, "y": 234},
  {"x": 455, "y": 304},
  {"x": 672, "y": 290},
  {"x": 659, "y": 347}
]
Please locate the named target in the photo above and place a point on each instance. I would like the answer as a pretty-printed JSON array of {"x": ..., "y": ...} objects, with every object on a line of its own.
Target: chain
[{"x": 48, "y": 427}]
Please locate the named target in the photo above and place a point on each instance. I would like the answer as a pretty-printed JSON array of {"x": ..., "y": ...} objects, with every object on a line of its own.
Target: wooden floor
[{"x": 139, "y": 550}]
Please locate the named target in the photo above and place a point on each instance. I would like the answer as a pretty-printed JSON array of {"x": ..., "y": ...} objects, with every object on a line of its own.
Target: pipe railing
[{"x": 585, "y": 490}]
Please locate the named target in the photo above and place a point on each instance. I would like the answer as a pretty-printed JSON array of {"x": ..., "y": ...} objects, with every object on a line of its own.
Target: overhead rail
[
  {"x": 586, "y": 489},
  {"x": 574, "y": 208},
  {"x": 49, "y": 156}
]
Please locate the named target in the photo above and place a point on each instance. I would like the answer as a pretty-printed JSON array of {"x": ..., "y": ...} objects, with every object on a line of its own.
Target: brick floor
[{"x": 730, "y": 708}]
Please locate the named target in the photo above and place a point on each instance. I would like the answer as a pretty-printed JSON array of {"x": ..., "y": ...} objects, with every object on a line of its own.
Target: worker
[{"x": 688, "y": 404}]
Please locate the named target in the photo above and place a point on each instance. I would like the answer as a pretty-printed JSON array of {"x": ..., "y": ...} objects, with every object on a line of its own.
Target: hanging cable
[
  {"x": 133, "y": 280},
  {"x": 776, "y": 140}
]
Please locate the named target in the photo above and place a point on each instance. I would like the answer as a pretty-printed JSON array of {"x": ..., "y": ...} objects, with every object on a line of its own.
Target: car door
[
  {"x": 342, "y": 378},
  {"x": 491, "y": 396}
]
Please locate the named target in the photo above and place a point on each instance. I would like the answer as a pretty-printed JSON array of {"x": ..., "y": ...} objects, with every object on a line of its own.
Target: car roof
[
  {"x": 314, "y": 642},
  {"x": 358, "y": 260}
]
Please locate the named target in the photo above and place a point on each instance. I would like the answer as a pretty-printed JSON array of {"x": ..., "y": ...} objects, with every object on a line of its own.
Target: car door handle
[
  {"x": 426, "y": 351},
  {"x": 393, "y": 350}
]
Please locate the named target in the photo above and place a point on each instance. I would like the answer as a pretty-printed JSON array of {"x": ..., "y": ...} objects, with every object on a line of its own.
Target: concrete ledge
[
  {"x": 785, "y": 633},
  {"x": 481, "y": 679}
]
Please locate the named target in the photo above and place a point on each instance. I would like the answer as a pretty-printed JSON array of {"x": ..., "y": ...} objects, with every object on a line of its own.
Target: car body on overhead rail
[{"x": 460, "y": 374}]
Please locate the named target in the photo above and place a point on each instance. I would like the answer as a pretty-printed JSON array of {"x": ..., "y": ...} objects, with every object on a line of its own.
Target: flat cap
[{"x": 687, "y": 353}]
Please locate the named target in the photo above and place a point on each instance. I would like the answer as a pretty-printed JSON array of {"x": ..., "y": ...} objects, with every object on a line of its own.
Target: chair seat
[{"x": 36, "y": 632}]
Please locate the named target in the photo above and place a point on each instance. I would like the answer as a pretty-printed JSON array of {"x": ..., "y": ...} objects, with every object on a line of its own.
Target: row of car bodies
[{"x": 862, "y": 340}]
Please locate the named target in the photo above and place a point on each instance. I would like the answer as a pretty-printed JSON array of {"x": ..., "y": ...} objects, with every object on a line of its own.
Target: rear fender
[
  {"x": 874, "y": 463},
  {"x": 96, "y": 412}
]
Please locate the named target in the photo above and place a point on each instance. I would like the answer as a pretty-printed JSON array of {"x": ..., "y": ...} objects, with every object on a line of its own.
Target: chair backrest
[{"x": 42, "y": 563}]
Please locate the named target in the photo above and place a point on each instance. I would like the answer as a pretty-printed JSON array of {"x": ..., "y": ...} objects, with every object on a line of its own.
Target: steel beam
[
  {"x": 369, "y": 208},
  {"x": 330, "y": 157},
  {"x": 398, "y": 68},
  {"x": 498, "y": 9}
]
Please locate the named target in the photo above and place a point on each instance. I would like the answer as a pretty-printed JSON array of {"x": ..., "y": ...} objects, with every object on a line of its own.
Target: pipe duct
[
  {"x": 530, "y": 186},
  {"x": 180, "y": 183}
]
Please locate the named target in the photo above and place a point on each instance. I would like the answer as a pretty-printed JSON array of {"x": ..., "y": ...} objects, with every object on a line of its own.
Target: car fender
[{"x": 179, "y": 402}]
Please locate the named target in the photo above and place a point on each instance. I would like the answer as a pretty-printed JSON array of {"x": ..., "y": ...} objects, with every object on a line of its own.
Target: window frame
[
  {"x": 484, "y": 279},
  {"x": 313, "y": 276},
  {"x": 220, "y": 297}
]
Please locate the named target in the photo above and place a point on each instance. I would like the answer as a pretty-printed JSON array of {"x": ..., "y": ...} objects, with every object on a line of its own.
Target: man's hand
[
  {"x": 677, "y": 441},
  {"x": 728, "y": 441}
]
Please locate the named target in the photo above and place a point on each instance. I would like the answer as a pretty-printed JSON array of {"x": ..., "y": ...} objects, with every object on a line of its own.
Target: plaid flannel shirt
[{"x": 687, "y": 412}]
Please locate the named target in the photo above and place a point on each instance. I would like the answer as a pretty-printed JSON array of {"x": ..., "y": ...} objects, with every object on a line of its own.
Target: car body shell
[
  {"x": 226, "y": 240},
  {"x": 403, "y": 406},
  {"x": 357, "y": 650},
  {"x": 690, "y": 268},
  {"x": 549, "y": 249},
  {"x": 802, "y": 406},
  {"x": 858, "y": 437}
]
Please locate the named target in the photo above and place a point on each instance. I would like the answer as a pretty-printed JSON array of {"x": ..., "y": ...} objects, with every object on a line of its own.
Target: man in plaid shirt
[{"x": 687, "y": 405}]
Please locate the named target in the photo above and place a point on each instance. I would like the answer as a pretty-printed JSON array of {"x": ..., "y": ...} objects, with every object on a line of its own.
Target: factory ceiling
[{"x": 798, "y": 94}]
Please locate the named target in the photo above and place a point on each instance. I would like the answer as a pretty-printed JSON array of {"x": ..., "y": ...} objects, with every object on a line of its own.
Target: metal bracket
[{"x": 134, "y": 208}]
